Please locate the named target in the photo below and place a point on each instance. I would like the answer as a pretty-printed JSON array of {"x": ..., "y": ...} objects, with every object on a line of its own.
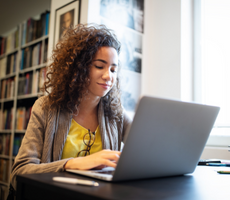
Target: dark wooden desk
[{"x": 204, "y": 183}]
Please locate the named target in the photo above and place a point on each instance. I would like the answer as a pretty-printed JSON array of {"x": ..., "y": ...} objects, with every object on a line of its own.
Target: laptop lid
[{"x": 166, "y": 138}]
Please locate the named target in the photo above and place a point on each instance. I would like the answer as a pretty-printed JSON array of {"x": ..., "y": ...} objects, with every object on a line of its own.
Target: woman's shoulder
[{"x": 41, "y": 101}]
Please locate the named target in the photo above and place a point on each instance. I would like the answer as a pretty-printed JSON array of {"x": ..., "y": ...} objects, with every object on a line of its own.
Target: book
[
  {"x": 7, "y": 145},
  {"x": 45, "y": 51},
  {"x": 39, "y": 27},
  {"x": 22, "y": 60},
  {"x": 28, "y": 83},
  {"x": 8, "y": 44},
  {"x": 34, "y": 30},
  {"x": 8, "y": 88},
  {"x": 17, "y": 143},
  {"x": 27, "y": 57},
  {"x": 24, "y": 31},
  {"x": 47, "y": 23},
  {"x": 12, "y": 87},
  {"x": 7, "y": 118},
  {"x": 3, "y": 88},
  {"x": 3, "y": 63},
  {"x": 12, "y": 63},
  {"x": 21, "y": 118},
  {"x": 35, "y": 54},
  {"x": 21, "y": 85},
  {"x": 39, "y": 53},
  {"x": 15, "y": 62},
  {"x": 35, "y": 82}
]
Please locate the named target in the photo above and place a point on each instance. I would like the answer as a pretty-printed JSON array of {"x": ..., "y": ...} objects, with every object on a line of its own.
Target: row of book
[
  {"x": 35, "y": 28},
  {"x": 23, "y": 116},
  {"x": 17, "y": 143},
  {"x": 4, "y": 170},
  {"x": 31, "y": 56},
  {"x": 7, "y": 88},
  {"x": 8, "y": 65},
  {"x": 5, "y": 144},
  {"x": 6, "y": 119},
  {"x": 22, "y": 119},
  {"x": 30, "y": 83},
  {"x": 10, "y": 42}
]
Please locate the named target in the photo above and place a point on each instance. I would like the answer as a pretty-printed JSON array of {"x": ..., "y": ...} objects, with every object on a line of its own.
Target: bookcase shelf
[
  {"x": 20, "y": 131},
  {"x": 20, "y": 86},
  {"x": 27, "y": 96},
  {"x": 8, "y": 53},
  {"x": 9, "y": 76},
  {"x": 35, "y": 41},
  {"x": 5, "y": 131},
  {"x": 4, "y": 156},
  {"x": 7, "y": 99}
]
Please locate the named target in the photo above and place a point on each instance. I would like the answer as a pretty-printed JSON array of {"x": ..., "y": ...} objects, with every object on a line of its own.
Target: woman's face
[{"x": 103, "y": 71}]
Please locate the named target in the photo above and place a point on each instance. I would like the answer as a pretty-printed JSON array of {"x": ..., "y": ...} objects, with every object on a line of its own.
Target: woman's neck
[
  {"x": 86, "y": 114},
  {"x": 88, "y": 106}
]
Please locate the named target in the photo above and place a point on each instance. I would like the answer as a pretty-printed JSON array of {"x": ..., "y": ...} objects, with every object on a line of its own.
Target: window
[{"x": 212, "y": 63}]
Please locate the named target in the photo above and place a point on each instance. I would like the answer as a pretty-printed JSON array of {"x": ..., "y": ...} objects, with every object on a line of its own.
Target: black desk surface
[{"x": 204, "y": 183}]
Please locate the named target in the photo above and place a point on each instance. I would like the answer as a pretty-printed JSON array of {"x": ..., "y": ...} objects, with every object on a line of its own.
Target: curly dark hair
[{"x": 68, "y": 74}]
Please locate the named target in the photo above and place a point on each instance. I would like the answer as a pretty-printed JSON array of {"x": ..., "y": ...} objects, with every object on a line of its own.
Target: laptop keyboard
[{"x": 105, "y": 172}]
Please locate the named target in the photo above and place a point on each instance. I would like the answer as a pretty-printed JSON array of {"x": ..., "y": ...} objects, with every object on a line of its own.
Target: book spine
[{"x": 47, "y": 23}]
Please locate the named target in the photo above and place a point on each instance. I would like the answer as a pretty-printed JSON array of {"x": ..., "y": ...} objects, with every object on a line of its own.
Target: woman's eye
[
  {"x": 98, "y": 67},
  {"x": 113, "y": 70}
]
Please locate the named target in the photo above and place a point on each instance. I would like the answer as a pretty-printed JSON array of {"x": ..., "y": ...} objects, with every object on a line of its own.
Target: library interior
[{"x": 173, "y": 50}]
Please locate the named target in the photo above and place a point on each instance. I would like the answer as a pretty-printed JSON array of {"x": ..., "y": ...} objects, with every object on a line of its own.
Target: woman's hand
[{"x": 97, "y": 160}]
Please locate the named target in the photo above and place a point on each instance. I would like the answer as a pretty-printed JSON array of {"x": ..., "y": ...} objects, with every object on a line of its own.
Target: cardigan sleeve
[{"x": 29, "y": 157}]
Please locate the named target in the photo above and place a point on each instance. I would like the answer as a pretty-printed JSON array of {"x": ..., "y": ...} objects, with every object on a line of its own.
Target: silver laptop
[{"x": 166, "y": 138}]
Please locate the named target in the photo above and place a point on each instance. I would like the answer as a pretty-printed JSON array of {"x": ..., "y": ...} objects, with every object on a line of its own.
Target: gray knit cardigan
[{"x": 43, "y": 143}]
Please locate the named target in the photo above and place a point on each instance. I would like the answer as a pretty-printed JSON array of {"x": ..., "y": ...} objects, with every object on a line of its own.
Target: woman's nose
[{"x": 107, "y": 75}]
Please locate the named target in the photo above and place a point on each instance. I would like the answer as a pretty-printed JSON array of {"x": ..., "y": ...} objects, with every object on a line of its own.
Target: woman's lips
[{"x": 105, "y": 86}]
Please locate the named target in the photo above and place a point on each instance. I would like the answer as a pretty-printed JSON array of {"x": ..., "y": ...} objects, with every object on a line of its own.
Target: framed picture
[{"x": 65, "y": 17}]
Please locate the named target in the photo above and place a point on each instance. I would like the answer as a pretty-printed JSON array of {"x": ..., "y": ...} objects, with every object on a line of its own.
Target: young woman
[{"x": 80, "y": 124}]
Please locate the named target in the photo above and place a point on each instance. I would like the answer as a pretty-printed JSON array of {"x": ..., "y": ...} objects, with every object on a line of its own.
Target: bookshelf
[{"x": 23, "y": 57}]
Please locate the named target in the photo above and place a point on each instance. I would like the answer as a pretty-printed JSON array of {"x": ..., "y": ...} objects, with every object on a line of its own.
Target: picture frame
[{"x": 66, "y": 16}]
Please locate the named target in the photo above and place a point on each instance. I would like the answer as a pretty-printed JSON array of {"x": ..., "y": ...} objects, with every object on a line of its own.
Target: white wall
[
  {"x": 167, "y": 49},
  {"x": 162, "y": 48}
]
